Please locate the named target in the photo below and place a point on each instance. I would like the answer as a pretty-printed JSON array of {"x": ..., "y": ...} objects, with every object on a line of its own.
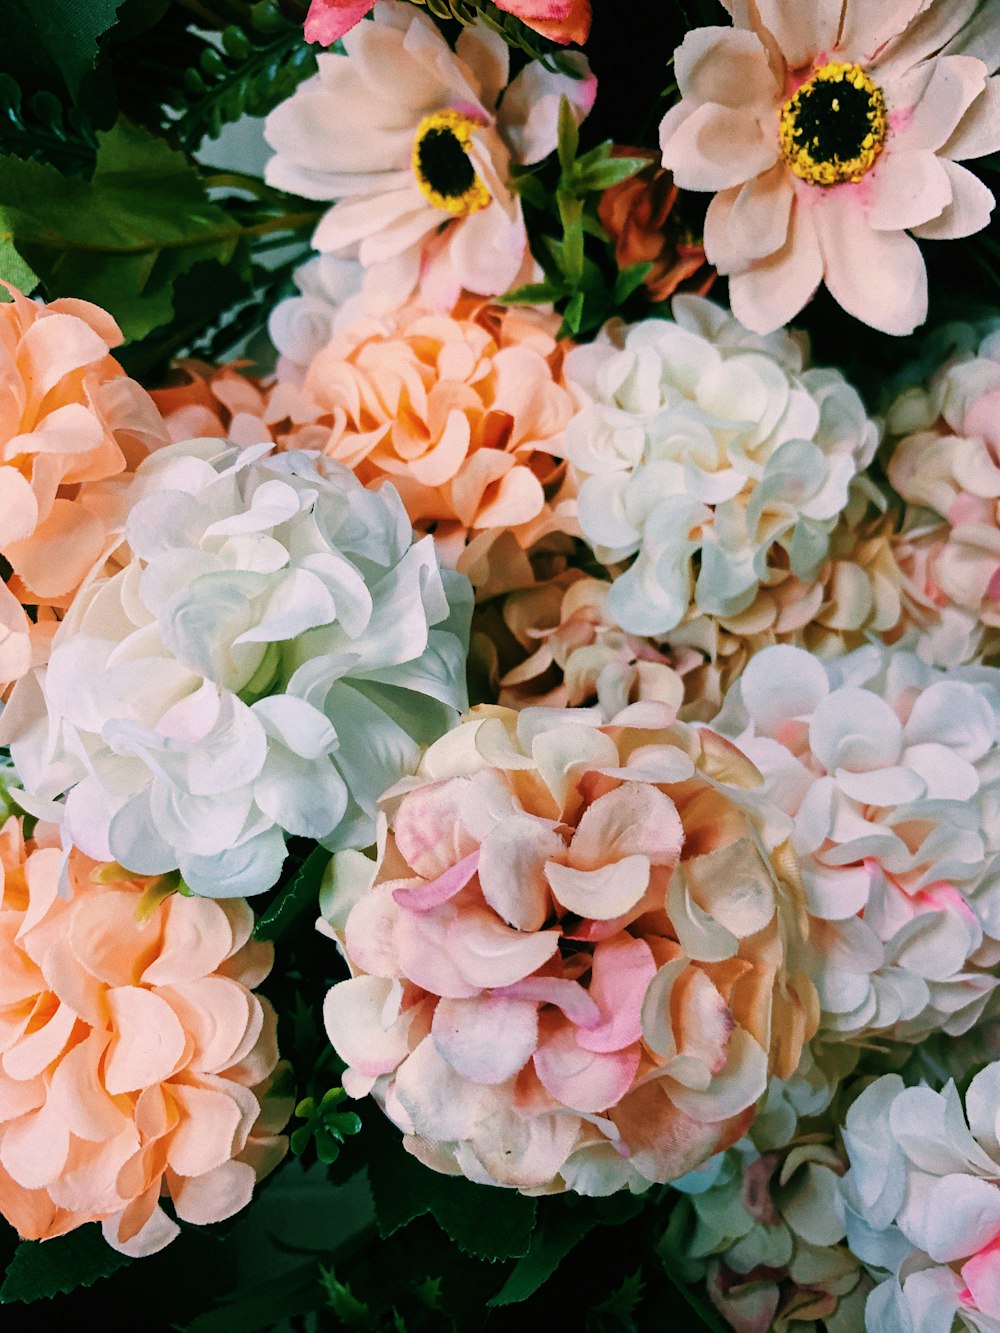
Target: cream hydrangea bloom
[
  {"x": 268, "y": 660},
  {"x": 575, "y": 964},
  {"x": 417, "y": 141},
  {"x": 890, "y": 770},
  {"x": 827, "y": 130},
  {"x": 923, "y": 1194},
  {"x": 711, "y": 456}
]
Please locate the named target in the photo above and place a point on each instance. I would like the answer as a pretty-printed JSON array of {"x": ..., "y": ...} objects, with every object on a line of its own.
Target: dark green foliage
[
  {"x": 40, "y": 1270},
  {"x": 299, "y": 897},
  {"x": 326, "y": 1126}
]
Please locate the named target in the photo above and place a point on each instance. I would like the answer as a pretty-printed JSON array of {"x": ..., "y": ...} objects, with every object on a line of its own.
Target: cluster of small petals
[
  {"x": 73, "y": 426},
  {"x": 329, "y": 299},
  {"x": 947, "y": 461},
  {"x": 576, "y": 962},
  {"x": 265, "y": 661},
  {"x": 574, "y": 656},
  {"x": 442, "y": 220},
  {"x": 711, "y": 456},
  {"x": 768, "y": 1232},
  {"x": 135, "y": 1060},
  {"x": 889, "y": 769},
  {"x": 830, "y": 136},
  {"x": 923, "y": 1201}
]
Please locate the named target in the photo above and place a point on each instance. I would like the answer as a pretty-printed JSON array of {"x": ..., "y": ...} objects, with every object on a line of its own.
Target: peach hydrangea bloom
[
  {"x": 72, "y": 425},
  {"x": 136, "y": 1063},
  {"x": 576, "y": 963},
  {"x": 948, "y": 462}
]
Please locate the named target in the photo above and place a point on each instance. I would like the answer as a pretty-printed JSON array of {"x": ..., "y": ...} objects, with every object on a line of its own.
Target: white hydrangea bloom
[
  {"x": 268, "y": 660},
  {"x": 712, "y": 456},
  {"x": 890, "y": 770},
  {"x": 329, "y": 300},
  {"x": 923, "y": 1198}
]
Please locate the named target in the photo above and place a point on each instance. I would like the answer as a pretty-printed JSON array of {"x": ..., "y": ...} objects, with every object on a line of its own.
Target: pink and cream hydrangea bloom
[
  {"x": 948, "y": 462},
  {"x": 136, "y": 1063},
  {"x": 575, "y": 964},
  {"x": 417, "y": 142},
  {"x": 73, "y": 425},
  {"x": 923, "y": 1196},
  {"x": 561, "y": 21},
  {"x": 711, "y": 458},
  {"x": 890, "y": 771},
  {"x": 827, "y": 130}
]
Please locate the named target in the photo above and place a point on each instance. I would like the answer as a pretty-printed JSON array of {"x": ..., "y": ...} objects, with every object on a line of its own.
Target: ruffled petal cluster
[
  {"x": 417, "y": 142},
  {"x": 269, "y": 658},
  {"x": 768, "y": 1231},
  {"x": 827, "y": 131},
  {"x": 72, "y": 426},
  {"x": 923, "y": 1194},
  {"x": 561, "y": 21},
  {"x": 889, "y": 769},
  {"x": 947, "y": 462},
  {"x": 574, "y": 655},
  {"x": 577, "y": 961},
  {"x": 136, "y": 1063},
  {"x": 711, "y": 457}
]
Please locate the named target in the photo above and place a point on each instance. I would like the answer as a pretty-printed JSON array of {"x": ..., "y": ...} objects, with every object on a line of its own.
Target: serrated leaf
[
  {"x": 43, "y": 1269},
  {"x": 556, "y": 1235},
  {"x": 343, "y": 1302},
  {"x": 64, "y": 32},
  {"x": 296, "y": 898},
  {"x": 483, "y": 1222},
  {"x": 14, "y": 270},
  {"x": 122, "y": 238},
  {"x": 621, "y": 1303}
]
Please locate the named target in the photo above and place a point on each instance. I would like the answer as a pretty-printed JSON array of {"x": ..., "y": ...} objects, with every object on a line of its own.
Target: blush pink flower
[
  {"x": 136, "y": 1063},
  {"x": 828, "y": 130},
  {"x": 948, "y": 462},
  {"x": 72, "y": 427},
  {"x": 562, "y": 21},
  {"x": 576, "y": 963}
]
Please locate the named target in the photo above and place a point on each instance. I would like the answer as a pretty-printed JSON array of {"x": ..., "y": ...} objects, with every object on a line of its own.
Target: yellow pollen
[
  {"x": 834, "y": 126},
  {"x": 442, "y": 167}
]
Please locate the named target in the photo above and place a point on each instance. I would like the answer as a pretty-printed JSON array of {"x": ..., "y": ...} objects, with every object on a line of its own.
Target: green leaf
[
  {"x": 571, "y": 215},
  {"x": 122, "y": 238},
  {"x": 63, "y": 32},
  {"x": 621, "y": 1304},
  {"x": 534, "y": 293},
  {"x": 483, "y": 1222},
  {"x": 569, "y": 137},
  {"x": 14, "y": 270},
  {"x": 266, "y": 1306},
  {"x": 603, "y": 175},
  {"x": 298, "y": 896},
  {"x": 42, "y": 1269},
  {"x": 573, "y": 314},
  {"x": 629, "y": 280},
  {"x": 344, "y": 1304},
  {"x": 562, "y": 1227}
]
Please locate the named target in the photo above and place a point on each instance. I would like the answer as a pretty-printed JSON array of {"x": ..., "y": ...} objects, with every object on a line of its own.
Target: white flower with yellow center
[
  {"x": 416, "y": 141},
  {"x": 827, "y": 130}
]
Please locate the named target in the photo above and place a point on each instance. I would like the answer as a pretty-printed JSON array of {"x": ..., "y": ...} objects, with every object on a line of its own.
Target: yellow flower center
[
  {"x": 834, "y": 126},
  {"x": 442, "y": 166}
]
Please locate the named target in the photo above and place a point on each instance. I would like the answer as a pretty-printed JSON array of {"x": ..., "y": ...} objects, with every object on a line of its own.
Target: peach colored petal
[
  {"x": 622, "y": 971},
  {"x": 148, "y": 1040},
  {"x": 581, "y": 1079}
]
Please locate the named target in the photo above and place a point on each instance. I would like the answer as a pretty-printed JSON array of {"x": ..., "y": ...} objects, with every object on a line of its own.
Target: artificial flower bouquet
[{"x": 501, "y": 753}]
